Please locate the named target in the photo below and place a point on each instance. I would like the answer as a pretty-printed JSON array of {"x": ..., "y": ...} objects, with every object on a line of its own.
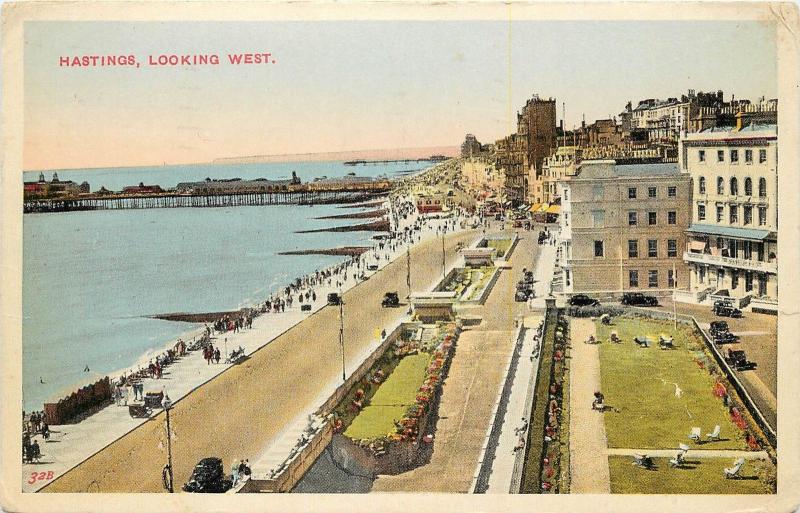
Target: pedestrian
[{"x": 216, "y": 355}]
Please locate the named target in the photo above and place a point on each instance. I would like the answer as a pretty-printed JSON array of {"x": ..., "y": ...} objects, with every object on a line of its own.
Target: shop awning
[
  {"x": 535, "y": 207},
  {"x": 554, "y": 209},
  {"x": 729, "y": 231}
]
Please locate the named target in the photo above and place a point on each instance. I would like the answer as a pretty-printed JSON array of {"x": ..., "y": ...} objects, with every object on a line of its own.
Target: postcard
[{"x": 399, "y": 256}]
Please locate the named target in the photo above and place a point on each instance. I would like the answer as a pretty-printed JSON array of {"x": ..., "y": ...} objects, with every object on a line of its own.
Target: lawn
[
  {"x": 391, "y": 400},
  {"x": 659, "y": 395},
  {"x": 501, "y": 245},
  {"x": 699, "y": 476}
]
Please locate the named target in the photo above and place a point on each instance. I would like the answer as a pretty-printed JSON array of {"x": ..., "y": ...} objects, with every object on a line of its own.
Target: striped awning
[
  {"x": 535, "y": 207},
  {"x": 554, "y": 209}
]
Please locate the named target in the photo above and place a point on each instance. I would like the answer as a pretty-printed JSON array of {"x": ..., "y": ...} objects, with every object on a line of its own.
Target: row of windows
[
  {"x": 733, "y": 214},
  {"x": 652, "y": 218},
  {"x": 652, "y": 192},
  {"x": 652, "y": 278},
  {"x": 734, "y": 156},
  {"x": 734, "y": 186},
  {"x": 633, "y": 248}
]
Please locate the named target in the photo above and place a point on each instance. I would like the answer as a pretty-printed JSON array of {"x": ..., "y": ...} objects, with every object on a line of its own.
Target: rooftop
[
  {"x": 750, "y": 131},
  {"x": 729, "y": 231}
]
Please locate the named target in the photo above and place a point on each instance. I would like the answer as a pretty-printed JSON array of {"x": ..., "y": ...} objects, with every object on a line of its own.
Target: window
[
  {"x": 652, "y": 278},
  {"x": 598, "y": 248},
  {"x": 631, "y": 192},
  {"x": 734, "y": 186},
  {"x": 762, "y": 216},
  {"x": 701, "y": 185},
  {"x": 734, "y": 214},
  {"x": 598, "y": 218},
  {"x": 748, "y": 156},
  {"x": 701, "y": 212},
  {"x": 748, "y": 186},
  {"x": 748, "y": 249},
  {"x": 719, "y": 213},
  {"x": 651, "y": 218},
  {"x": 733, "y": 248},
  {"x": 762, "y": 156},
  {"x": 633, "y": 249},
  {"x": 748, "y": 214},
  {"x": 652, "y": 248},
  {"x": 631, "y": 218},
  {"x": 702, "y": 274},
  {"x": 748, "y": 281},
  {"x": 701, "y": 155},
  {"x": 734, "y": 156},
  {"x": 651, "y": 192},
  {"x": 720, "y": 156},
  {"x": 672, "y": 191},
  {"x": 734, "y": 279},
  {"x": 566, "y": 194},
  {"x": 597, "y": 192},
  {"x": 672, "y": 217},
  {"x": 633, "y": 278},
  {"x": 671, "y": 278},
  {"x": 720, "y": 186},
  {"x": 762, "y": 187},
  {"x": 672, "y": 248}
]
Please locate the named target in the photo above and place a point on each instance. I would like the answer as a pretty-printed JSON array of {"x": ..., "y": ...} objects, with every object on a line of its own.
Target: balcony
[{"x": 737, "y": 263}]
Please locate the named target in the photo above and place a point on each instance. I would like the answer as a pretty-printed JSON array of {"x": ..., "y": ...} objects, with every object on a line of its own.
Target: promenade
[{"x": 241, "y": 411}]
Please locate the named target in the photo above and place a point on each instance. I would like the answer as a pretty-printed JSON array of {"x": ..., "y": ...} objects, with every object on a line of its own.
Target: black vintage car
[
  {"x": 738, "y": 360},
  {"x": 726, "y": 310},
  {"x": 583, "y": 300},
  {"x": 638, "y": 299},
  {"x": 523, "y": 294},
  {"x": 334, "y": 299},
  {"x": 725, "y": 338},
  {"x": 208, "y": 476},
  {"x": 372, "y": 267},
  {"x": 390, "y": 299},
  {"x": 718, "y": 327}
]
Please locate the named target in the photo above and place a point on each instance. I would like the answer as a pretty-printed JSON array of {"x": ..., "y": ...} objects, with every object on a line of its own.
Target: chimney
[{"x": 739, "y": 120}]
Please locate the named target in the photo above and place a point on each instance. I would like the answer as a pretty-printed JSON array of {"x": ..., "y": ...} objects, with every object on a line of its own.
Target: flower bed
[{"x": 468, "y": 283}]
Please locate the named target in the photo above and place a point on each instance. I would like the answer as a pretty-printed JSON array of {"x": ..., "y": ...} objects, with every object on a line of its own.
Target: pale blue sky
[{"x": 357, "y": 85}]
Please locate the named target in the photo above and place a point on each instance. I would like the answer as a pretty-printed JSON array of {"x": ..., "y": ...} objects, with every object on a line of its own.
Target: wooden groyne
[
  {"x": 375, "y": 226},
  {"x": 351, "y": 251},
  {"x": 357, "y": 215},
  {"x": 300, "y": 195},
  {"x": 364, "y": 205}
]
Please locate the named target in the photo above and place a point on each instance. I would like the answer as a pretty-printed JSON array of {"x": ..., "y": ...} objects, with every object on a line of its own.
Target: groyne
[
  {"x": 351, "y": 251},
  {"x": 358, "y": 215},
  {"x": 375, "y": 226}
]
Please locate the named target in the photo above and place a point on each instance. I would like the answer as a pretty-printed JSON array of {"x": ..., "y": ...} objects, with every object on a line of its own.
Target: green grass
[
  {"x": 640, "y": 383},
  {"x": 700, "y": 476},
  {"x": 501, "y": 245},
  {"x": 391, "y": 400}
]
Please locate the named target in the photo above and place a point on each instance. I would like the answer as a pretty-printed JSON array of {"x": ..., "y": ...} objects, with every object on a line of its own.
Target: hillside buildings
[
  {"x": 55, "y": 187},
  {"x": 623, "y": 228},
  {"x": 732, "y": 240}
]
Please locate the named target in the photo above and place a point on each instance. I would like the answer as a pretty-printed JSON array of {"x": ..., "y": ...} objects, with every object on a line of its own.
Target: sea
[{"x": 91, "y": 279}]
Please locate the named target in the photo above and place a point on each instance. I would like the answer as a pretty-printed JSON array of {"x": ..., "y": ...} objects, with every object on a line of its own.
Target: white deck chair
[
  {"x": 734, "y": 471},
  {"x": 695, "y": 434},
  {"x": 714, "y": 435},
  {"x": 679, "y": 458}
]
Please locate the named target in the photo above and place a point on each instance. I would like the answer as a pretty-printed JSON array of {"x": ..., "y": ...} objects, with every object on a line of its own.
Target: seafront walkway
[
  {"x": 240, "y": 412},
  {"x": 470, "y": 390}
]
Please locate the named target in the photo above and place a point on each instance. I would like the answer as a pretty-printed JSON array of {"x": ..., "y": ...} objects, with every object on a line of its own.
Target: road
[{"x": 237, "y": 414}]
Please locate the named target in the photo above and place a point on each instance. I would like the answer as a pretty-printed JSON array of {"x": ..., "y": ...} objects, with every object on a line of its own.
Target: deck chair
[
  {"x": 714, "y": 435},
  {"x": 733, "y": 472},
  {"x": 695, "y": 434},
  {"x": 680, "y": 457}
]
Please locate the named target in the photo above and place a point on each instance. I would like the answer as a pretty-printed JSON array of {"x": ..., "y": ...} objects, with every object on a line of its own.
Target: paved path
[
  {"x": 587, "y": 433},
  {"x": 505, "y": 455},
  {"x": 470, "y": 390},
  {"x": 692, "y": 453},
  {"x": 237, "y": 414}
]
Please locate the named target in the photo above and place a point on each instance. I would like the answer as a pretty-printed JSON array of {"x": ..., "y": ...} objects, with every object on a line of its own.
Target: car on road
[
  {"x": 718, "y": 328},
  {"x": 208, "y": 476},
  {"x": 638, "y": 299},
  {"x": 390, "y": 299},
  {"x": 528, "y": 277},
  {"x": 334, "y": 299},
  {"x": 726, "y": 310},
  {"x": 583, "y": 300},
  {"x": 523, "y": 294},
  {"x": 372, "y": 267}
]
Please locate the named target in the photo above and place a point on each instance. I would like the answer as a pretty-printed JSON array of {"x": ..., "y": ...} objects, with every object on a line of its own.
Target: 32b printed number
[{"x": 40, "y": 476}]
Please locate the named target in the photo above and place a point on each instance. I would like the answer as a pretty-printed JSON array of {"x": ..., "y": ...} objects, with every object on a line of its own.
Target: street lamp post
[
  {"x": 168, "y": 485},
  {"x": 341, "y": 335}
]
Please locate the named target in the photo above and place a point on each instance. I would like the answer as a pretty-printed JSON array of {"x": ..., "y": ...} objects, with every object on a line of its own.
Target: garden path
[{"x": 587, "y": 445}]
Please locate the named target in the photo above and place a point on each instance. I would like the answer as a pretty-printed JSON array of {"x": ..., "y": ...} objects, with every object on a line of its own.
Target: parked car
[
  {"x": 738, "y": 360},
  {"x": 372, "y": 267},
  {"x": 208, "y": 476},
  {"x": 725, "y": 310},
  {"x": 583, "y": 300},
  {"x": 725, "y": 338},
  {"x": 334, "y": 299},
  {"x": 718, "y": 327},
  {"x": 390, "y": 299},
  {"x": 638, "y": 299}
]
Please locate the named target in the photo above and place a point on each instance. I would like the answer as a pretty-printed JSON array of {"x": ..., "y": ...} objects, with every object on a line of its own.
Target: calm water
[{"x": 90, "y": 278}]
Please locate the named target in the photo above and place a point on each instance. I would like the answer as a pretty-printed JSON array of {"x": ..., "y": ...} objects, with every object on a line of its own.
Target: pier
[{"x": 305, "y": 194}]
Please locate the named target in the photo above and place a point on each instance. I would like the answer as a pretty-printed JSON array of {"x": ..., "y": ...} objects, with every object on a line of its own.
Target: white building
[{"x": 732, "y": 240}]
